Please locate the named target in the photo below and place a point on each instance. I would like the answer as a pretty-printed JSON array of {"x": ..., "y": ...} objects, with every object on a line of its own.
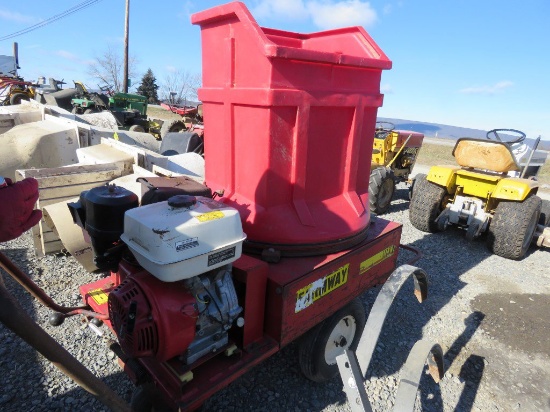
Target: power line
[{"x": 52, "y": 19}]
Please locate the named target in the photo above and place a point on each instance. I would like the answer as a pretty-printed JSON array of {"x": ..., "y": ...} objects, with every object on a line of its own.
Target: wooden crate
[{"x": 63, "y": 183}]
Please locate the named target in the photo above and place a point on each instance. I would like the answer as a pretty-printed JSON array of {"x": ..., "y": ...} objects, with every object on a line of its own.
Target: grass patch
[
  {"x": 160, "y": 113},
  {"x": 544, "y": 174},
  {"x": 435, "y": 154}
]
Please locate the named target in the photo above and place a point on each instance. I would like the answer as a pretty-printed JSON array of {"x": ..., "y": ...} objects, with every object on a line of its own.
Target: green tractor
[
  {"x": 129, "y": 110},
  {"x": 493, "y": 190},
  {"x": 86, "y": 102}
]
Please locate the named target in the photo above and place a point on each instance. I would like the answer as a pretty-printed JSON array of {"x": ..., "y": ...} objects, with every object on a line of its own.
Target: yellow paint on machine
[
  {"x": 376, "y": 259},
  {"x": 205, "y": 217},
  {"x": 309, "y": 294},
  {"x": 99, "y": 296}
]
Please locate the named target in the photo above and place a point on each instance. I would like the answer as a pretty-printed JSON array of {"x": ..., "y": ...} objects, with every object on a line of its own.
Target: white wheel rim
[{"x": 340, "y": 339}]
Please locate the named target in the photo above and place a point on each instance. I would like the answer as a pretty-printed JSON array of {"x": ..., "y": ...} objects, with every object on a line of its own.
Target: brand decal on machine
[
  {"x": 376, "y": 259},
  {"x": 205, "y": 217},
  {"x": 322, "y": 287},
  {"x": 187, "y": 244},
  {"x": 99, "y": 296},
  {"x": 215, "y": 258}
]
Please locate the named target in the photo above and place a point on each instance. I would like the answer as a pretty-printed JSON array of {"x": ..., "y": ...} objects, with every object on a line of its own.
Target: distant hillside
[{"x": 444, "y": 131}]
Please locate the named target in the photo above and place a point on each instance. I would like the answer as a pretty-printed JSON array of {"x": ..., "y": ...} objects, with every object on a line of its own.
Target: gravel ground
[{"x": 491, "y": 316}]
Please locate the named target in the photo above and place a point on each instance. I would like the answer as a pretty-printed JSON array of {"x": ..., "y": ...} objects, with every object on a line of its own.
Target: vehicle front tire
[
  {"x": 426, "y": 204},
  {"x": 136, "y": 128},
  {"x": 381, "y": 189},
  {"x": 16, "y": 98},
  {"x": 172, "y": 126},
  {"x": 544, "y": 218},
  {"x": 512, "y": 227}
]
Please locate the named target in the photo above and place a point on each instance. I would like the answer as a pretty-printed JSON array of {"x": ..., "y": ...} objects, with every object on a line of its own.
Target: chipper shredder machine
[{"x": 206, "y": 281}]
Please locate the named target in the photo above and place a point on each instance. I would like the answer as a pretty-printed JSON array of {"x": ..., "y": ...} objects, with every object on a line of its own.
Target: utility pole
[{"x": 126, "y": 30}]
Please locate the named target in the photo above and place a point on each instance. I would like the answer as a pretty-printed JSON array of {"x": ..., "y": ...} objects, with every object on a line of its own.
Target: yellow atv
[
  {"x": 393, "y": 158},
  {"x": 487, "y": 192}
]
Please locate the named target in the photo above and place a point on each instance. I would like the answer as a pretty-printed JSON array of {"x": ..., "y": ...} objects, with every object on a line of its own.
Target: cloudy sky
[{"x": 469, "y": 63}]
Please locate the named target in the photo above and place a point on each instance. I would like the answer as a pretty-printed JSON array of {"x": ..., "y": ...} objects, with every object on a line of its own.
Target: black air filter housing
[{"x": 100, "y": 211}]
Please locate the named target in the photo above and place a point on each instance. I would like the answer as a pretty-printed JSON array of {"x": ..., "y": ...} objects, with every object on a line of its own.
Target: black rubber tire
[
  {"x": 381, "y": 189},
  {"x": 146, "y": 398},
  {"x": 411, "y": 188},
  {"x": 544, "y": 218},
  {"x": 172, "y": 126},
  {"x": 89, "y": 111},
  {"x": 17, "y": 97},
  {"x": 137, "y": 128},
  {"x": 75, "y": 110},
  {"x": 178, "y": 143},
  {"x": 311, "y": 350},
  {"x": 426, "y": 204},
  {"x": 512, "y": 227}
]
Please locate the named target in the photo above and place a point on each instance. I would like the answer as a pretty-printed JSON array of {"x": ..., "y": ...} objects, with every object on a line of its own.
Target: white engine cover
[{"x": 175, "y": 243}]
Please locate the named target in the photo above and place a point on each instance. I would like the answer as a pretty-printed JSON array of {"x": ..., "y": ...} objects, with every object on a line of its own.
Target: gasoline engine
[{"x": 176, "y": 295}]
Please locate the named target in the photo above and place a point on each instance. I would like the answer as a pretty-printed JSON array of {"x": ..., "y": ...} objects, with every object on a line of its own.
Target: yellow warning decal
[
  {"x": 205, "y": 217},
  {"x": 321, "y": 287},
  {"x": 376, "y": 259},
  {"x": 115, "y": 136},
  {"x": 99, "y": 296}
]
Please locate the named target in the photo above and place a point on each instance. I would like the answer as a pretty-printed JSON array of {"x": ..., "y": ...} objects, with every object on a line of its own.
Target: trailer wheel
[
  {"x": 146, "y": 398},
  {"x": 381, "y": 188},
  {"x": 426, "y": 204},
  {"x": 172, "y": 126},
  {"x": 320, "y": 346},
  {"x": 544, "y": 218},
  {"x": 17, "y": 97},
  {"x": 512, "y": 228}
]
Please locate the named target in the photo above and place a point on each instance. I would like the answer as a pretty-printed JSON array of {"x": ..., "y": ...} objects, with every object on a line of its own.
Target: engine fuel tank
[{"x": 184, "y": 236}]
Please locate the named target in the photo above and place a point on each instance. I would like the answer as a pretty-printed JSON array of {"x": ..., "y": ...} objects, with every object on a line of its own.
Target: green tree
[{"x": 148, "y": 87}]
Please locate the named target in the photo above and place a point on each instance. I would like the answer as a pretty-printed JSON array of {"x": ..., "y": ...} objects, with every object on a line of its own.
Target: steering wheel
[
  {"x": 384, "y": 126},
  {"x": 517, "y": 136},
  {"x": 382, "y": 129}
]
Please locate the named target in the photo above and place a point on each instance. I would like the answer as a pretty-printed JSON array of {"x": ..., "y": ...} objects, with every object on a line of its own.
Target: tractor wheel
[
  {"x": 426, "y": 204},
  {"x": 136, "y": 128},
  {"x": 17, "y": 97},
  {"x": 512, "y": 228},
  {"x": 172, "y": 126},
  {"x": 381, "y": 188},
  {"x": 320, "y": 346},
  {"x": 545, "y": 213},
  {"x": 411, "y": 188},
  {"x": 89, "y": 111}
]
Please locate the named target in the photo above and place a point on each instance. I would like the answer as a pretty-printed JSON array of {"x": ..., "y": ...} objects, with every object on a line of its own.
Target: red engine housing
[{"x": 152, "y": 318}]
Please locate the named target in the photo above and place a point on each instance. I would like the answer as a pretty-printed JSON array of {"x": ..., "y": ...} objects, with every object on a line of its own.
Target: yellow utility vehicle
[
  {"x": 393, "y": 158},
  {"x": 493, "y": 189}
]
